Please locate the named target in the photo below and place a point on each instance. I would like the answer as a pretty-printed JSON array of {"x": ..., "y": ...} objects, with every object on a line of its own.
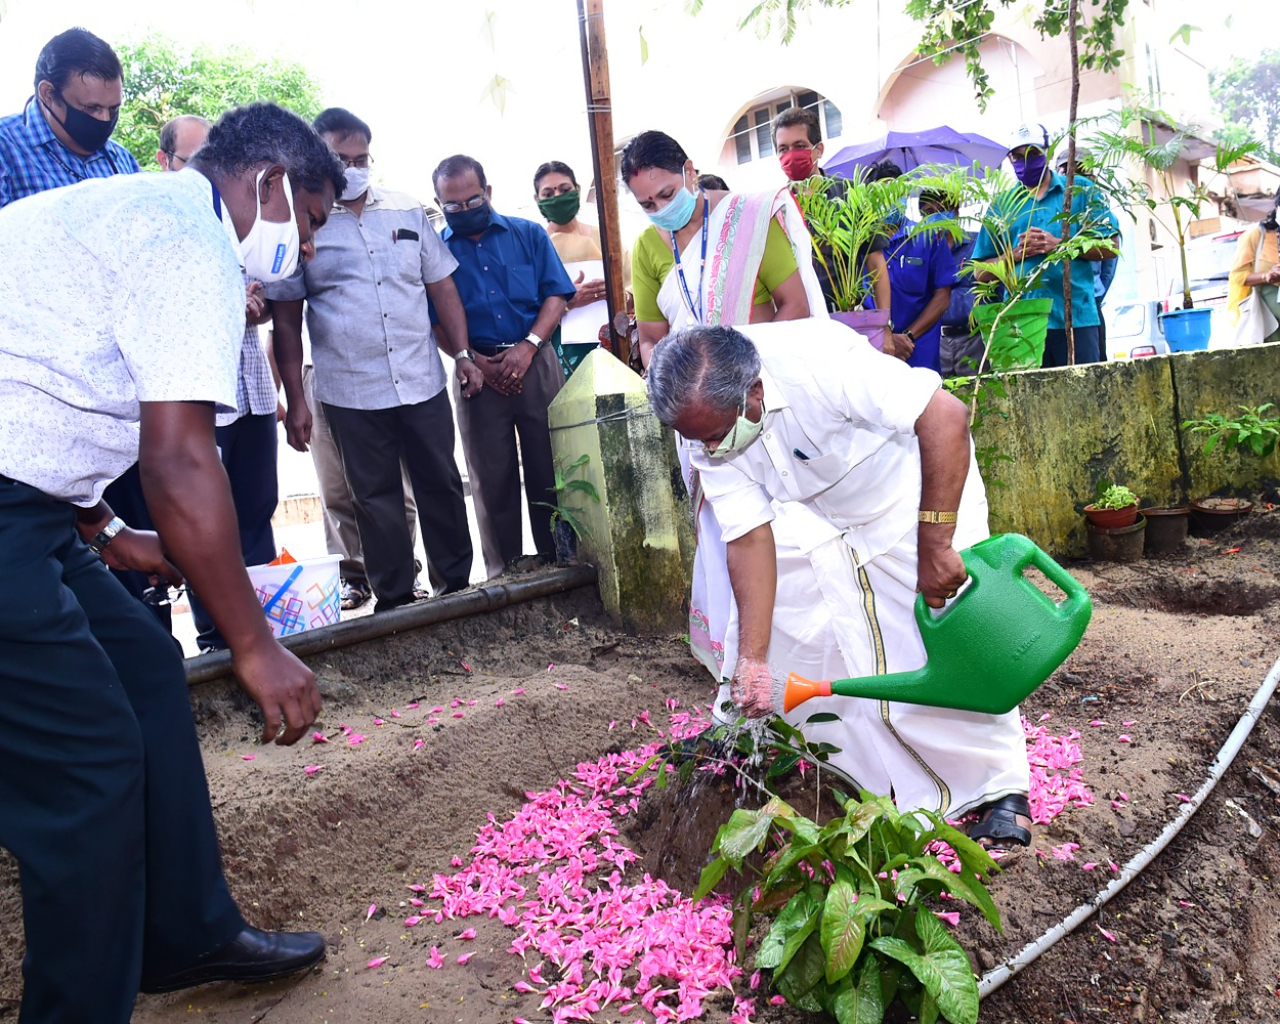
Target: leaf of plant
[
  {"x": 799, "y": 910},
  {"x": 745, "y": 831},
  {"x": 790, "y": 856},
  {"x": 843, "y": 930},
  {"x": 821, "y": 717},
  {"x": 862, "y": 1003},
  {"x": 945, "y": 975},
  {"x": 644, "y": 47},
  {"x": 639, "y": 772},
  {"x": 969, "y": 889},
  {"x": 710, "y": 877},
  {"x": 797, "y": 981}
]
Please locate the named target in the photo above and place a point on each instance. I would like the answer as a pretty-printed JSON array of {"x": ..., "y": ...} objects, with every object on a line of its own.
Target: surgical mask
[
  {"x": 269, "y": 252},
  {"x": 86, "y": 131},
  {"x": 1029, "y": 169},
  {"x": 562, "y": 208},
  {"x": 357, "y": 183},
  {"x": 743, "y": 433},
  {"x": 469, "y": 222},
  {"x": 676, "y": 213},
  {"x": 797, "y": 164}
]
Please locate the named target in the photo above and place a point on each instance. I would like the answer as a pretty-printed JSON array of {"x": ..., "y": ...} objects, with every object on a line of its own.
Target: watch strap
[
  {"x": 464, "y": 354},
  {"x": 936, "y": 517},
  {"x": 910, "y": 337},
  {"x": 533, "y": 340},
  {"x": 106, "y": 535}
]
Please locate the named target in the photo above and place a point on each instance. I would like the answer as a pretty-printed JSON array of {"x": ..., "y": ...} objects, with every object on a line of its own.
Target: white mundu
[{"x": 836, "y": 470}]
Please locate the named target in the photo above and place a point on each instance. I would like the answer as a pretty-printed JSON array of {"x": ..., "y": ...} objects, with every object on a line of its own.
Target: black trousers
[
  {"x": 372, "y": 442},
  {"x": 1087, "y": 346},
  {"x": 248, "y": 448},
  {"x": 490, "y": 424},
  {"x": 103, "y": 799},
  {"x": 125, "y": 497}
]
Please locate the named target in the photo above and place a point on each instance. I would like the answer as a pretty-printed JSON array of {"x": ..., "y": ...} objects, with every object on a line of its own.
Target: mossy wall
[
  {"x": 1067, "y": 429},
  {"x": 640, "y": 536}
]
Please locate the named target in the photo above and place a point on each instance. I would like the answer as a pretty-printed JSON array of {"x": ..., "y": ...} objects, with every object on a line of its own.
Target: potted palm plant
[
  {"x": 847, "y": 216},
  {"x": 1011, "y": 308},
  {"x": 1152, "y": 140}
]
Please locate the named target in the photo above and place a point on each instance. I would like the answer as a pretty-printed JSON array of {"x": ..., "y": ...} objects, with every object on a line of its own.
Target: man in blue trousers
[{"x": 122, "y": 306}]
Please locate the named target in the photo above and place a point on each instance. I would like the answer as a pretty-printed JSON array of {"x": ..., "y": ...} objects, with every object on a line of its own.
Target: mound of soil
[{"x": 1175, "y": 651}]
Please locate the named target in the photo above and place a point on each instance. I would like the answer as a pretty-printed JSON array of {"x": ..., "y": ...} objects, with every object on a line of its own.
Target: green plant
[
  {"x": 1249, "y": 429},
  {"x": 853, "y": 929},
  {"x": 1111, "y": 495},
  {"x": 845, "y": 216},
  {"x": 1153, "y": 140},
  {"x": 986, "y": 390},
  {"x": 566, "y": 485}
]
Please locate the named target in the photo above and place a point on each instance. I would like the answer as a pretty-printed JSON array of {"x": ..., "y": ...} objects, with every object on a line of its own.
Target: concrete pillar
[{"x": 640, "y": 534}]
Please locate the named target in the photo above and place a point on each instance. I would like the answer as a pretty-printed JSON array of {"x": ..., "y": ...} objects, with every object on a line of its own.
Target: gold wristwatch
[{"x": 936, "y": 517}]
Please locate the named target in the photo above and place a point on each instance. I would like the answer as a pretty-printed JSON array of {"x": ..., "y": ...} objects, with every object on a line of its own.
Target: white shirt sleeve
[
  {"x": 437, "y": 261},
  {"x": 740, "y": 503},
  {"x": 180, "y": 305}
]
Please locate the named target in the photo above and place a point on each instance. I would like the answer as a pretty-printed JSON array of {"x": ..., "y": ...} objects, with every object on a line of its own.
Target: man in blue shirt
[
  {"x": 514, "y": 290},
  {"x": 1035, "y": 229},
  {"x": 959, "y": 347},
  {"x": 64, "y": 134}
]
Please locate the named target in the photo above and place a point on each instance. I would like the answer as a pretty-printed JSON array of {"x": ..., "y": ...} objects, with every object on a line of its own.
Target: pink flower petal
[
  {"x": 418, "y": 744},
  {"x": 1127, "y": 724},
  {"x": 465, "y": 667},
  {"x": 377, "y": 961},
  {"x": 561, "y": 686},
  {"x": 499, "y": 702},
  {"x": 468, "y": 935},
  {"x": 379, "y": 721},
  {"x": 551, "y": 667},
  {"x": 1046, "y": 716},
  {"x": 1183, "y": 798},
  {"x": 373, "y": 909},
  {"x": 1097, "y": 723},
  {"x": 465, "y": 957},
  {"x": 1088, "y": 866},
  {"x": 1106, "y": 934},
  {"x": 435, "y": 961},
  {"x": 357, "y": 739},
  {"x": 952, "y": 917},
  {"x": 459, "y": 714},
  {"x": 517, "y": 691},
  {"x": 412, "y": 920},
  {"x": 437, "y": 711},
  {"x": 248, "y": 757},
  {"x": 311, "y": 769},
  {"x": 319, "y": 737}
]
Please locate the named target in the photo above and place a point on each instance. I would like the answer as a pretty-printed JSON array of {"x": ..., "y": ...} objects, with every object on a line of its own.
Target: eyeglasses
[
  {"x": 474, "y": 203},
  {"x": 174, "y": 158},
  {"x": 362, "y": 161}
]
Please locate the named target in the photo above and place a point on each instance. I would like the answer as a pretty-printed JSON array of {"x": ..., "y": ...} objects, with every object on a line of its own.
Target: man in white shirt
[
  {"x": 122, "y": 307},
  {"x": 841, "y": 494}
]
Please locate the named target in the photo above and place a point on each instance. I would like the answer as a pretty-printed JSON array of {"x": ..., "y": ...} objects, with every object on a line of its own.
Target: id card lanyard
[{"x": 697, "y": 311}]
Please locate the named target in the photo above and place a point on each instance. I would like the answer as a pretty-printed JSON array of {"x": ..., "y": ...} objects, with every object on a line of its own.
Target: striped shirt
[{"x": 32, "y": 159}]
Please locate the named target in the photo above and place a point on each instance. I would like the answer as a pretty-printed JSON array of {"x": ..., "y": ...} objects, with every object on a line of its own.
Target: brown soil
[{"x": 1177, "y": 647}]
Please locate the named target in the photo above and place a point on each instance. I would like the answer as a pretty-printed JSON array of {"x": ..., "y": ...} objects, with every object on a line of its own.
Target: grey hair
[{"x": 707, "y": 366}]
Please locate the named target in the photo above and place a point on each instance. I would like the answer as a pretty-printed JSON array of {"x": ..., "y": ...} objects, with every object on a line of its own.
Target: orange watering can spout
[{"x": 799, "y": 690}]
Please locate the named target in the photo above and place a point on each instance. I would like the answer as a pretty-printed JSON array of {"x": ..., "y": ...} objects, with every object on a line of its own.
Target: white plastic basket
[{"x": 300, "y": 595}]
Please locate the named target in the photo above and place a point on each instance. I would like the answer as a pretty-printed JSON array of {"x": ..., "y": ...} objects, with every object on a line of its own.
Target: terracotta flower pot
[
  {"x": 1111, "y": 518},
  {"x": 1213, "y": 515},
  {"x": 1166, "y": 528},
  {"x": 872, "y": 324},
  {"x": 1123, "y": 544}
]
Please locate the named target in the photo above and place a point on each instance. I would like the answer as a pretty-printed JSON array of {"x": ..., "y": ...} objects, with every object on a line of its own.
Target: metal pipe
[{"x": 413, "y": 616}]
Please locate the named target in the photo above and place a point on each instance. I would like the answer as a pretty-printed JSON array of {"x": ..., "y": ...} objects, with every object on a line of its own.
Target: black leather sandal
[{"x": 997, "y": 827}]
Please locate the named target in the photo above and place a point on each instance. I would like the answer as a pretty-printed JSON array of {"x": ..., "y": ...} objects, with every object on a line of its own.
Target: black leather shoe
[{"x": 253, "y": 955}]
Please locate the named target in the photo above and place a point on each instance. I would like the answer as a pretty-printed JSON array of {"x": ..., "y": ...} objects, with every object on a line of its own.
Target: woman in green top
[
  {"x": 739, "y": 254},
  {"x": 743, "y": 259}
]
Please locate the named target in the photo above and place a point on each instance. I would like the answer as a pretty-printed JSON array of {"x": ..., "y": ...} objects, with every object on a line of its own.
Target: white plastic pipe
[{"x": 997, "y": 976}]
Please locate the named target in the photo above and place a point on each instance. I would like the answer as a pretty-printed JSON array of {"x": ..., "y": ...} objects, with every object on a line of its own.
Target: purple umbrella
[{"x": 941, "y": 145}]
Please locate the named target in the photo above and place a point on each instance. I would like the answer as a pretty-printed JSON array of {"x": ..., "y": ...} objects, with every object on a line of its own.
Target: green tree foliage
[
  {"x": 163, "y": 79},
  {"x": 1247, "y": 94},
  {"x": 952, "y": 29}
]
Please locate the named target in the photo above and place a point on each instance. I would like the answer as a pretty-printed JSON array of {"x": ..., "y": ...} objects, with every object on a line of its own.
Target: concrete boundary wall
[{"x": 1066, "y": 429}]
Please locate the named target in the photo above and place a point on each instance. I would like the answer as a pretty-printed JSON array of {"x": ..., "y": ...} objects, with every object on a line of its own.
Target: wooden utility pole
[{"x": 595, "y": 70}]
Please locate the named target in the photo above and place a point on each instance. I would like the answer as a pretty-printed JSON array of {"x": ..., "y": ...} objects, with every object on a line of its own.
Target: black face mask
[
  {"x": 86, "y": 131},
  {"x": 469, "y": 222}
]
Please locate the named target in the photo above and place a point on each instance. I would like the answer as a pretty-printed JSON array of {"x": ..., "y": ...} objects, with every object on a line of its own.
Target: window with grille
[{"x": 752, "y": 139}]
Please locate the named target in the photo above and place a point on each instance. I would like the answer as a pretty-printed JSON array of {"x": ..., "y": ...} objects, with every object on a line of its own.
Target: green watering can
[{"x": 991, "y": 647}]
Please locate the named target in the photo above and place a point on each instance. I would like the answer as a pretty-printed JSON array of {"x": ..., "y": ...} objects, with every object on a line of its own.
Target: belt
[
  {"x": 955, "y": 332},
  {"x": 491, "y": 350}
]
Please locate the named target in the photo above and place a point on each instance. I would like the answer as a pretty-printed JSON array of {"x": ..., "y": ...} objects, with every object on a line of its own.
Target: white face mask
[
  {"x": 269, "y": 252},
  {"x": 357, "y": 183}
]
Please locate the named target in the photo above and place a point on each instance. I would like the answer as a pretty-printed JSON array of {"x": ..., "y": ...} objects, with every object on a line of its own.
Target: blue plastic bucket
[{"x": 1187, "y": 330}]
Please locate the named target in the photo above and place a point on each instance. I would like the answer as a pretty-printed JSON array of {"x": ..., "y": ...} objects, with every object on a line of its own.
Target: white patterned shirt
[{"x": 113, "y": 292}]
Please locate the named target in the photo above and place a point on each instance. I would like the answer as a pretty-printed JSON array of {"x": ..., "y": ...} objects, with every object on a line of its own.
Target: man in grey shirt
[{"x": 378, "y": 373}]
